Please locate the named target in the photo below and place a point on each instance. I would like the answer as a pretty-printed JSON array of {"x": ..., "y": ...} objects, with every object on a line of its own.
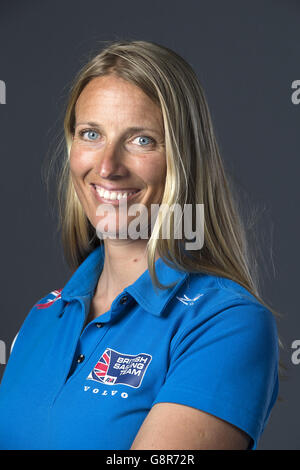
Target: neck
[{"x": 125, "y": 261}]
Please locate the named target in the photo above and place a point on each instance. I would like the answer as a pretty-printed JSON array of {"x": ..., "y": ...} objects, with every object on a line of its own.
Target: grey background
[{"x": 246, "y": 55}]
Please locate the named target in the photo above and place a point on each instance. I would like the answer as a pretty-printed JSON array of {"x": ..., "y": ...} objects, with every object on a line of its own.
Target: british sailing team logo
[
  {"x": 115, "y": 368},
  {"x": 56, "y": 294}
]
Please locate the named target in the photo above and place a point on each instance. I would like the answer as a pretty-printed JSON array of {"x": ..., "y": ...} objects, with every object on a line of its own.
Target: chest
[{"x": 112, "y": 388}]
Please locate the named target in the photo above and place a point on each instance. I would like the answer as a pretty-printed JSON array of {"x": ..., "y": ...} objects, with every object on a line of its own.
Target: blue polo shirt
[{"x": 205, "y": 342}]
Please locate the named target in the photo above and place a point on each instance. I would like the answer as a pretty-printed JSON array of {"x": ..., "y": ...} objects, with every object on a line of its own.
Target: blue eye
[
  {"x": 91, "y": 132},
  {"x": 144, "y": 138}
]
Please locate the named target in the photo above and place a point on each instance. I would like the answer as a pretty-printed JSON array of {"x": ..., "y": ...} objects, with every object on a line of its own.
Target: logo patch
[
  {"x": 57, "y": 295},
  {"x": 185, "y": 300},
  {"x": 115, "y": 368}
]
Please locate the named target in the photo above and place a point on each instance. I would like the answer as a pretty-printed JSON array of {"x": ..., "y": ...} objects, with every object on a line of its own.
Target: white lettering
[
  {"x": 106, "y": 392},
  {"x": 2, "y": 352},
  {"x": 131, "y": 371},
  {"x": 2, "y": 92},
  {"x": 143, "y": 359},
  {"x": 188, "y": 230},
  {"x": 296, "y": 94},
  {"x": 296, "y": 354},
  {"x": 123, "y": 460}
]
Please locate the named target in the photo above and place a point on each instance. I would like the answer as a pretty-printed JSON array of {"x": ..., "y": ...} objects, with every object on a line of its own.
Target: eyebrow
[{"x": 129, "y": 129}]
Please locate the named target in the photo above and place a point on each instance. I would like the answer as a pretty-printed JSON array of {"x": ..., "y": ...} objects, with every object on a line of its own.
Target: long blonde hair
[{"x": 195, "y": 171}]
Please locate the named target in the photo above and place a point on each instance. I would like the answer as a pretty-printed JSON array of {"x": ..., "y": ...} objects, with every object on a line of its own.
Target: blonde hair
[{"x": 195, "y": 171}]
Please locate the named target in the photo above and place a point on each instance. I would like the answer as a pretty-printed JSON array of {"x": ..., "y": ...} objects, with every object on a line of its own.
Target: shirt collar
[{"x": 84, "y": 281}]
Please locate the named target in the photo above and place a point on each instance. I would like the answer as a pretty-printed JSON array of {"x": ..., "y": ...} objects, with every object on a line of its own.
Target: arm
[{"x": 175, "y": 426}]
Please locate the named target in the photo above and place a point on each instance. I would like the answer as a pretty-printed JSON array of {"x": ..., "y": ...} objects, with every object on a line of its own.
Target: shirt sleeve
[{"x": 227, "y": 366}]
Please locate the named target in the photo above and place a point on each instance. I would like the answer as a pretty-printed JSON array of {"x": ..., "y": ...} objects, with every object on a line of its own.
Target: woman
[{"x": 150, "y": 344}]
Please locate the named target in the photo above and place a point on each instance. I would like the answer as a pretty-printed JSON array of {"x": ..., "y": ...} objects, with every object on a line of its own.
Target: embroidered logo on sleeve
[
  {"x": 185, "y": 300},
  {"x": 115, "y": 368},
  {"x": 49, "y": 302}
]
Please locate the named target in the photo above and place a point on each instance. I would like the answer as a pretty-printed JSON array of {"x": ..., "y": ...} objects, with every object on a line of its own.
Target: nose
[{"x": 110, "y": 162}]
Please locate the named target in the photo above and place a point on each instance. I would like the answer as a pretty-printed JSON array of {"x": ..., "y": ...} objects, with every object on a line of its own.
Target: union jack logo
[
  {"x": 102, "y": 365},
  {"x": 49, "y": 302},
  {"x": 115, "y": 368}
]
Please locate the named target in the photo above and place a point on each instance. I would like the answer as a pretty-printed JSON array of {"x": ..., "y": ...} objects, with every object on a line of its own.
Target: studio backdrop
[{"x": 246, "y": 55}]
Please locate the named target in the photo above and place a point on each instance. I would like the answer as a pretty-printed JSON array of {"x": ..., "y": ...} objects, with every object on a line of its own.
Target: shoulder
[
  {"x": 47, "y": 307},
  {"x": 49, "y": 299},
  {"x": 215, "y": 305},
  {"x": 41, "y": 317},
  {"x": 214, "y": 289},
  {"x": 227, "y": 332}
]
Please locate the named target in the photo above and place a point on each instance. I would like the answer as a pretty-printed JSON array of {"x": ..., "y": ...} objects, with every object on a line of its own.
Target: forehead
[{"x": 111, "y": 96}]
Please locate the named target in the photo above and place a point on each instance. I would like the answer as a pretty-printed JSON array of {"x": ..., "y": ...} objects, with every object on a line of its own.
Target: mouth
[{"x": 113, "y": 196}]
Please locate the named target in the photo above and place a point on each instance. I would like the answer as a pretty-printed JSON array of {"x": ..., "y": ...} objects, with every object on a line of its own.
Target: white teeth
[{"x": 111, "y": 195}]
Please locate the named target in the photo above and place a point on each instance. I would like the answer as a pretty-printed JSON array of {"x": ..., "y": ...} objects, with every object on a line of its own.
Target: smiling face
[{"x": 118, "y": 151}]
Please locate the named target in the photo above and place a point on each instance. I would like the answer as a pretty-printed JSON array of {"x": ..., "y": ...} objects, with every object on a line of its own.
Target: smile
[{"x": 115, "y": 196}]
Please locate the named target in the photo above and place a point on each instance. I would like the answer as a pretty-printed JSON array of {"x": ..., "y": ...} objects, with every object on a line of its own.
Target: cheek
[
  {"x": 153, "y": 171},
  {"x": 79, "y": 161}
]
